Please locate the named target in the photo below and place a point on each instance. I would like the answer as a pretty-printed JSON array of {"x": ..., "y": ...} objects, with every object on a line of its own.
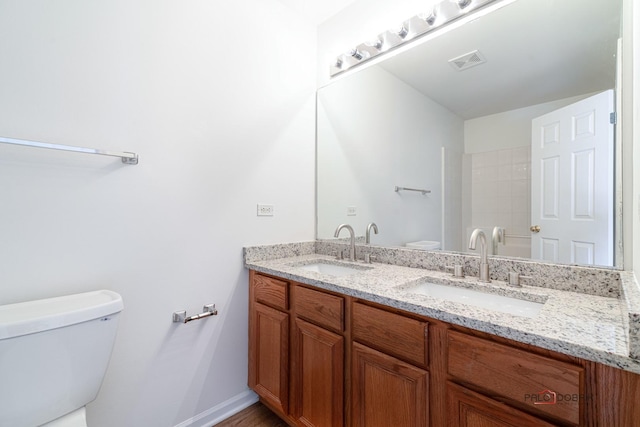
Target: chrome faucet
[
  {"x": 368, "y": 236},
  {"x": 352, "y": 242},
  {"x": 483, "y": 274}
]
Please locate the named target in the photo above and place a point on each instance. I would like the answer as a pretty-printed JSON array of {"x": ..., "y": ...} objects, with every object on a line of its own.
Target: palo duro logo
[
  {"x": 545, "y": 397},
  {"x": 550, "y": 397}
]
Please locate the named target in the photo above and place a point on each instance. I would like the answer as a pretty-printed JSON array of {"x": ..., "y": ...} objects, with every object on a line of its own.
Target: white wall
[
  {"x": 366, "y": 148},
  {"x": 218, "y": 100}
]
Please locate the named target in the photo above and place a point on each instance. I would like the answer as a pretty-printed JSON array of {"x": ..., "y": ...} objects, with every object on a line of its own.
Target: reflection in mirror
[{"x": 456, "y": 114}]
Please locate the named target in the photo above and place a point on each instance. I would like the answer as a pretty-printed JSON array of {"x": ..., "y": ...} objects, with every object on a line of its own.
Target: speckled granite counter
[{"x": 591, "y": 325}]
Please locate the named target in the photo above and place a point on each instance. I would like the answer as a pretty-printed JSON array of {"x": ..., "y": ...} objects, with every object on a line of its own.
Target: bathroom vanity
[{"x": 361, "y": 348}]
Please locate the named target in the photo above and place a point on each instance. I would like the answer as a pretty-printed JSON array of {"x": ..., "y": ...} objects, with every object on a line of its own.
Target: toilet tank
[{"x": 53, "y": 355}]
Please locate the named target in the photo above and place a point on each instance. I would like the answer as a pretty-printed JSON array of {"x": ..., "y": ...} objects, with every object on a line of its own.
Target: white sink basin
[
  {"x": 331, "y": 269},
  {"x": 504, "y": 304}
]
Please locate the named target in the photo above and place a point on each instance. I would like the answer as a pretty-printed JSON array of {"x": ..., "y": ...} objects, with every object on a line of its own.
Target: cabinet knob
[{"x": 535, "y": 228}]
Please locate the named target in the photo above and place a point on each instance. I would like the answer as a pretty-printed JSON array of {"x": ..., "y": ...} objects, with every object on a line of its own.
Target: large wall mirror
[{"x": 504, "y": 121}]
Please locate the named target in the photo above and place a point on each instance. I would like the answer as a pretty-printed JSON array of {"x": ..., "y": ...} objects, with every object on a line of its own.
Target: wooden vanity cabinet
[{"x": 320, "y": 358}]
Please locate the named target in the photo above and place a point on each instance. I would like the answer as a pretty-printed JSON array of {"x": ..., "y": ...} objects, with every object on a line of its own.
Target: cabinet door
[
  {"x": 317, "y": 376},
  {"x": 387, "y": 391},
  {"x": 268, "y": 355},
  {"x": 469, "y": 409}
]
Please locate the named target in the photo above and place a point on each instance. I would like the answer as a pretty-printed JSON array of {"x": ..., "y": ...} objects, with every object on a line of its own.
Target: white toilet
[
  {"x": 53, "y": 356},
  {"x": 425, "y": 245}
]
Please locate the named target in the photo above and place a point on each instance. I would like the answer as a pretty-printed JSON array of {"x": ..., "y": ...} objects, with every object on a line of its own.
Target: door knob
[{"x": 535, "y": 228}]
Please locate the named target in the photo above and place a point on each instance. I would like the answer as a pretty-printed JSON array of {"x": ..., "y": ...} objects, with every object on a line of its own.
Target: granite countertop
[{"x": 591, "y": 327}]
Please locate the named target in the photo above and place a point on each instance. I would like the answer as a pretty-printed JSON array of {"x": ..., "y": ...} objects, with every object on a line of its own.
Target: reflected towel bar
[
  {"x": 127, "y": 158},
  {"x": 516, "y": 236},
  {"x": 207, "y": 311},
  {"x": 397, "y": 189}
]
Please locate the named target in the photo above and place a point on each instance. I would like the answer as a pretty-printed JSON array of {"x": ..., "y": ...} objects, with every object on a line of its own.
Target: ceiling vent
[{"x": 467, "y": 60}]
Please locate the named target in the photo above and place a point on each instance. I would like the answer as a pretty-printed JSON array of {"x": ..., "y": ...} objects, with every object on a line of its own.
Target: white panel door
[{"x": 572, "y": 183}]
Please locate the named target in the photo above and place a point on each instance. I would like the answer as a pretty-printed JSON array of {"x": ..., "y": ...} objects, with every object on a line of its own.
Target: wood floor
[{"x": 256, "y": 415}]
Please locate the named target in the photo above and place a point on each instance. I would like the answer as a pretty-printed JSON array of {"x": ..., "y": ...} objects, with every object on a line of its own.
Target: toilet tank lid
[{"x": 40, "y": 315}]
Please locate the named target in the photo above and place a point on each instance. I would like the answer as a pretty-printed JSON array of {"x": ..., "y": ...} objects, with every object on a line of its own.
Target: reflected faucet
[
  {"x": 368, "y": 236},
  {"x": 352, "y": 242},
  {"x": 497, "y": 237},
  {"x": 483, "y": 274}
]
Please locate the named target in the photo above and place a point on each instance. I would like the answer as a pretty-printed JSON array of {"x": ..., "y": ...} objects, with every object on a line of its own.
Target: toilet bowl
[{"x": 53, "y": 356}]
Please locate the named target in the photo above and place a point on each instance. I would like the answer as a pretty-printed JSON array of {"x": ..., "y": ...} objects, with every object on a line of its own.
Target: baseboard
[{"x": 222, "y": 411}]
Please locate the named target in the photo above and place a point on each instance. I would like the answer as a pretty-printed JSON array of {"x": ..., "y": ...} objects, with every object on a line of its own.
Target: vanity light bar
[{"x": 443, "y": 13}]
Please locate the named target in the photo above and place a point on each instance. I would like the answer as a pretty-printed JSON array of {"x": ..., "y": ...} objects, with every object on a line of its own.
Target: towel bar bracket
[{"x": 130, "y": 159}]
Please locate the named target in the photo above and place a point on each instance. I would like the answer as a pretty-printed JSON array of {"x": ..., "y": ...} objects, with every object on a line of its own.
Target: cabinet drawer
[
  {"x": 391, "y": 333},
  {"x": 467, "y": 408},
  {"x": 529, "y": 381},
  {"x": 271, "y": 292},
  {"x": 323, "y": 309}
]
